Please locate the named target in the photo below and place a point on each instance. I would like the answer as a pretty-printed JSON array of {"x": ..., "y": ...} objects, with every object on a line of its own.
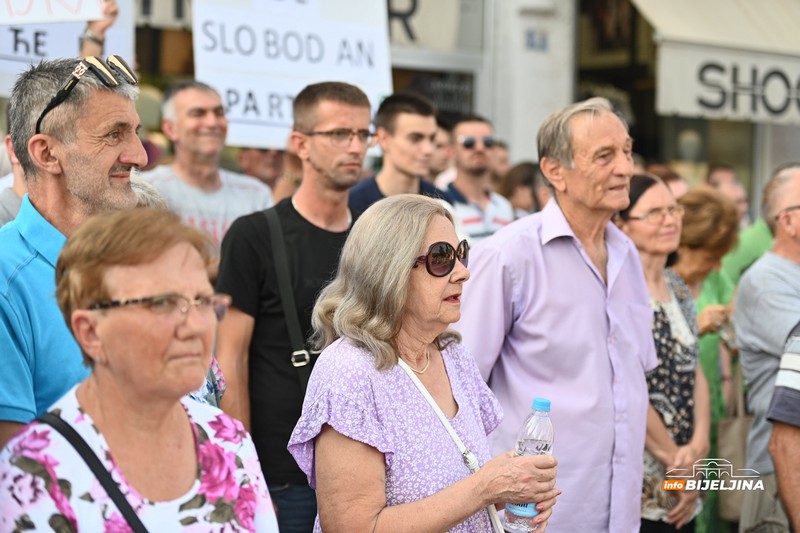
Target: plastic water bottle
[{"x": 535, "y": 438}]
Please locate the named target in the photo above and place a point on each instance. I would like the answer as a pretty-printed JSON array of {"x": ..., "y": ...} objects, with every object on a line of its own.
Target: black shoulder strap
[
  {"x": 100, "y": 472},
  {"x": 301, "y": 358}
]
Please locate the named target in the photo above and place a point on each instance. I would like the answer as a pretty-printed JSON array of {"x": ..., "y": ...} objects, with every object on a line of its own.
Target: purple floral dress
[
  {"x": 44, "y": 483},
  {"x": 386, "y": 411}
]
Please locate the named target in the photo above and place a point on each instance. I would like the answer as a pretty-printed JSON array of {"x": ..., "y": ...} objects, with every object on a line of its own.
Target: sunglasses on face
[
  {"x": 103, "y": 70},
  {"x": 441, "y": 258},
  {"x": 469, "y": 142}
]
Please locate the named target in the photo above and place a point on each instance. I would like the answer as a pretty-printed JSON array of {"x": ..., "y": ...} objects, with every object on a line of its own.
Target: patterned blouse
[
  {"x": 671, "y": 387},
  {"x": 45, "y": 484},
  {"x": 384, "y": 409}
]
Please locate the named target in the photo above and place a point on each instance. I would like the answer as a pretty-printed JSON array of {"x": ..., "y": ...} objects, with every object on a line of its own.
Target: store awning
[{"x": 735, "y": 59}]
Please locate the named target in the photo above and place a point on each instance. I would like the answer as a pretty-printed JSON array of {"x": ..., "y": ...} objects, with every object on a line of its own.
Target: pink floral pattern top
[
  {"x": 45, "y": 484},
  {"x": 386, "y": 411}
]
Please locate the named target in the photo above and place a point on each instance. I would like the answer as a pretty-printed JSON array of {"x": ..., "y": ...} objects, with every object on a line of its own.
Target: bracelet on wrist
[
  {"x": 725, "y": 379},
  {"x": 92, "y": 36}
]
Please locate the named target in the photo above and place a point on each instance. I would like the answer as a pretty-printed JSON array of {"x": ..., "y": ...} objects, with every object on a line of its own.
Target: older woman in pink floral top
[
  {"x": 368, "y": 440},
  {"x": 134, "y": 291}
]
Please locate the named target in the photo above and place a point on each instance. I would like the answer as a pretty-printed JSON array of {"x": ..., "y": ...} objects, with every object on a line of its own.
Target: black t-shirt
[{"x": 247, "y": 273}]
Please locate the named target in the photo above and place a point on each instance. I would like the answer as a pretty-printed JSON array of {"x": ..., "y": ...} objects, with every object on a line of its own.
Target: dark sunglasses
[
  {"x": 441, "y": 258},
  {"x": 469, "y": 142},
  {"x": 103, "y": 70}
]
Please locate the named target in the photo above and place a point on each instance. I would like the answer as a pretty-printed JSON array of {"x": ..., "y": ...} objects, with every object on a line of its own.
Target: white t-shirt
[{"x": 211, "y": 211}]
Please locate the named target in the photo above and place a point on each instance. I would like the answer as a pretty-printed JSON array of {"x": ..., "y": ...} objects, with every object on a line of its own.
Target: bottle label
[{"x": 527, "y": 510}]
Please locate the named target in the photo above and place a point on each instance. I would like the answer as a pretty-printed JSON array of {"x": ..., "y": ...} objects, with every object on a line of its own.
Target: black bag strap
[
  {"x": 100, "y": 472},
  {"x": 301, "y": 358}
]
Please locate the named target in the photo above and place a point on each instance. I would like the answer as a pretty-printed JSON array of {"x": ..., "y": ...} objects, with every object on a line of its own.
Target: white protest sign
[
  {"x": 26, "y": 44},
  {"x": 37, "y": 11},
  {"x": 260, "y": 53}
]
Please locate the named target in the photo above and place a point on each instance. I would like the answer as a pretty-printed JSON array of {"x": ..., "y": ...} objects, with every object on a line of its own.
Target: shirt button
[
  {"x": 612, "y": 340},
  {"x": 617, "y": 460}
]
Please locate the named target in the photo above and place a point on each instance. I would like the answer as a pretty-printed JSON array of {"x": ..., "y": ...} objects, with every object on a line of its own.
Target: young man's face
[{"x": 409, "y": 149}]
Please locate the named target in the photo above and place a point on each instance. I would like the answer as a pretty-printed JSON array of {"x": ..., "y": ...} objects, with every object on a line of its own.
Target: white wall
[{"x": 529, "y": 67}]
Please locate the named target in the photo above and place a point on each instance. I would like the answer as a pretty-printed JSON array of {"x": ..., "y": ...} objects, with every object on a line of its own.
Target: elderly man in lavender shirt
[{"x": 558, "y": 307}]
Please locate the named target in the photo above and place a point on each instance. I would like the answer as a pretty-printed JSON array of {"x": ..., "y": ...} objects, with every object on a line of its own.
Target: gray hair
[
  {"x": 367, "y": 299},
  {"x": 168, "y": 104},
  {"x": 773, "y": 192},
  {"x": 554, "y": 139},
  {"x": 32, "y": 92}
]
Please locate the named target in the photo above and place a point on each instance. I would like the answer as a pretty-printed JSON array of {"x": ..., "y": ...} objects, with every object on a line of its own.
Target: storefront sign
[
  {"x": 713, "y": 82},
  {"x": 258, "y": 55}
]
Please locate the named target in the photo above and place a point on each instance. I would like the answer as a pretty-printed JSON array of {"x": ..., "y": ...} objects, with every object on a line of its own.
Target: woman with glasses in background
[
  {"x": 678, "y": 415},
  {"x": 370, "y": 442},
  {"x": 134, "y": 291}
]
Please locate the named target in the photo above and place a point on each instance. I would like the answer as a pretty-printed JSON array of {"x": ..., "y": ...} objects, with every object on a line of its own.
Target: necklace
[{"x": 427, "y": 364}]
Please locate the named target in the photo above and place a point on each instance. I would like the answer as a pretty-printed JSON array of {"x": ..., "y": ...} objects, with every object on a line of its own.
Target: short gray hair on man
[
  {"x": 554, "y": 139},
  {"x": 367, "y": 299},
  {"x": 32, "y": 92},
  {"x": 168, "y": 104},
  {"x": 774, "y": 190}
]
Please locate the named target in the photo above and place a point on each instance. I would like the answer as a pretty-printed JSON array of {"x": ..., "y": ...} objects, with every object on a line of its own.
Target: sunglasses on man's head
[
  {"x": 103, "y": 70},
  {"x": 441, "y": 258},
  {"x": 469, "y": 142}
]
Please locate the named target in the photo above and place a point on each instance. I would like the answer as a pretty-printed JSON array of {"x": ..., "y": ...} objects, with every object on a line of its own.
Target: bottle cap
[{"x": 541, "y": 404}]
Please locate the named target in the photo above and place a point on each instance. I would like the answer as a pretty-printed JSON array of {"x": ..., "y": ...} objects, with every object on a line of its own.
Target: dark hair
[
  {"x": 640, "y": 184},
  {"x": 470, "y": 117},
  {"x": 443, "y": 121},
  {"x": 525, "y": 174},
  {"x": 665, "y": 172},
  {"x": 402, "y": 102},
  {"x": 304, "y": 107}
]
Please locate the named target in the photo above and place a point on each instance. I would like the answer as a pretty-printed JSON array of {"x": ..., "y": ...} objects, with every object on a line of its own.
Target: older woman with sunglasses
[
  {"x": 369, "y": 437},
  {"x": 125, "y": 448},
  {"x": 678, "y": 418}
]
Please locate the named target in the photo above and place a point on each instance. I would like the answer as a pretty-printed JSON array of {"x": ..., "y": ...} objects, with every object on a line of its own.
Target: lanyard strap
[
  {"x": 466, "y": 454},
  {"x": 100, "y": 472}
]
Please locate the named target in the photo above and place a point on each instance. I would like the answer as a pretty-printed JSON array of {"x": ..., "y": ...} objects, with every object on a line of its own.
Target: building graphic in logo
[{"x": 712, "y": 474}]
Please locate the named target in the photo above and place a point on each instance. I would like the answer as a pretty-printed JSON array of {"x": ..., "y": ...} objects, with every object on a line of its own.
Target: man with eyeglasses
[
  {"x": 405, "y": 125},
  {"x": 265, "y": 379},
  {"x": 557, "y": 306},
  {"x": 194, "y": 185},
  {"x": 479, "y": 209},
  {"x": 74, "y": 128},
  {"x": 767, "y": 311}
]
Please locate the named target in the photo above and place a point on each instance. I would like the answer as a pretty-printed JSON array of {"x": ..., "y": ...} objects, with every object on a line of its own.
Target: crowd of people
[{"x": 302, "y": 346}]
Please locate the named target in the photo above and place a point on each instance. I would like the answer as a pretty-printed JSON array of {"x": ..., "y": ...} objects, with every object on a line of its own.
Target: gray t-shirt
[
  {"x": 9, "y": 205},
  {"x": 767, "y": 310},
  {"x": 212, "y": 211}
]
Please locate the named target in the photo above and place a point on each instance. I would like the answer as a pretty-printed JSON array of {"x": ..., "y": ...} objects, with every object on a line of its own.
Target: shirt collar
[{"x": 39, "y": 233}]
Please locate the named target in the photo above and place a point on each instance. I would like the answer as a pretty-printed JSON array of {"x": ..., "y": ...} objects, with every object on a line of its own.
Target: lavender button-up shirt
[{"x": 540, "y": 321}]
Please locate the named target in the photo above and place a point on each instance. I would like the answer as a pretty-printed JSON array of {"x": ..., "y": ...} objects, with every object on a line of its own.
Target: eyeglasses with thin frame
[
  {"x": 469, "y": 141},
  {"x": 103, "y": 70},
  {"x": 441, "y": 258},
  {"x": 786, "y": 209},
  {"x": 343, "y": 137},
  {"x": 169, "y": 304},
  {"x": 658, "y": 215}
]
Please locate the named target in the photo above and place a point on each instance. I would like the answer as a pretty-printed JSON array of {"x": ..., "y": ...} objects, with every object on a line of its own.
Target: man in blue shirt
[{"x": 74, "y": 126}]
